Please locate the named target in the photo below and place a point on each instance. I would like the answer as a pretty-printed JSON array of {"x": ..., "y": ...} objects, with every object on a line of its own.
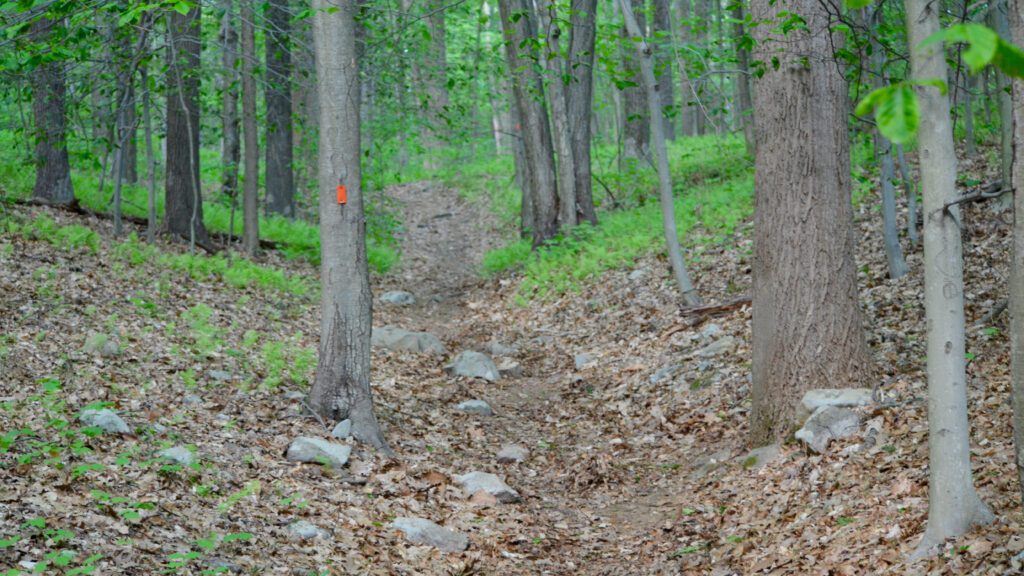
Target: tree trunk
[
  {"x": 910, "y": 194},
  {"x": 580, "y": 94},
  {"x": 699, "y": 37},
  {"x": 689, "y": 109},
  {"x": 999, "y": 18},
  {"x": 744, "y": 99},
  {"x": 250, "y": 196},
  {"x": 231, "y": 146},
  {"x": 664, "y": 60},
  {"x": 53, "y": 170},
  {"x": 130, "y": 158},
  {"x": 1016, "y": 25},
  {"x": 342, "y": 386},
  {"x": 668, "y": 209},
  {"x": 636, "y": 129},
  {"x": 561, "y": 130},
  {"x": 147, "y": 123},
  {"x": 807, "y": 330},
  {"x": 279, "y": 182},
  {"x": 953, "y": 505}
]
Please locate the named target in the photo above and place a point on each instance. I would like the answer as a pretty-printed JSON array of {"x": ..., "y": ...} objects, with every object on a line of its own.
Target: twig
[{"x": 314, "y": 413}]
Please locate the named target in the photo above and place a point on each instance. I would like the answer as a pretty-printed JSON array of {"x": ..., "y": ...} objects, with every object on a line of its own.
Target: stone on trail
[
  {"x": 192, "y": 399},
  {"x": 838, "y": 397},
  {"x": 760, "y": 457},
  {"x": 318, "y": 451},
  {"x": 509, "y": 368},
  {"x": 222, "y": 375},
  {"x": 103, "y": 345},
  {"x": 473, "y": 365},
  {"x": 584, "y": 360},
  {"x": 717, "y": 348},
  {"x": 304, "y": 530},
  {"x": 475, "y": 407},
  {"x": 398, "y": 298},
  {"x": 343, "y": 429},
  {"x": 477, "y": 481},
  {"x": 828, "y": 423},
  {"x": 104, "y": 419},
  {"x": 637, "y": 275},
  {"x": 422, "y": 531},
  {"x": 499, "y": 349},
  {"x": 399, "y": 340},
  {"x": 179, "y": 455},
  {"x": 512, "y": 453},
  {"x": 665, "y": 373},
  {"x": 710, "y": 331}
]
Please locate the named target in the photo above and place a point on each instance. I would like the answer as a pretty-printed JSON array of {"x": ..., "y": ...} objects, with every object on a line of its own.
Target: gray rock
[
  {"x": 398, "y": 298},
  {"x": 102, "y": 344},
  {"x": 512, "y": 453},
  {"x": 319, "y": 451},
  {"x": 221, "y": 375},
  {"x": 665, "y": 373},
  {"x": 158, "y": 428},
  {"x": 422, "y": 531},
  {"x": 584, "y": 360},
  {"x": 838, "y": 397},
  {"x": 179, "y": 455},
  {"x": 104, "y": 419},
  {"x": 477, "y": 481},
  {"x": 192, "y": 399},
  {"x": 637, "y": 275},
  {"x": 760, "y": 457},
  {"x": 399, "y": 340},
  {"x": 343, "y": 429},
  {"x": 473, "y": 365},
  {"x": 475, "y": 407},
  {"x": 111, "y": 349},
  {"x": 294, "y": 395},
  {"x": 717, "y": 348},
  {"x": 710, "y": 331},
  {"x": 828, "y": 423},
  {"x": 509, "y": 368},
  {"x": 499, "y": 349},
  {"x": 304, "y": 530}
]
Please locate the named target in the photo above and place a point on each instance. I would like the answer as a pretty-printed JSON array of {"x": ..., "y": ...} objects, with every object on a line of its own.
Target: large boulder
[
  {"x": 828, "y": 423},
  {"x": 318, "y": 451},
  {"x": 484, "y": 481},
  {"x": 399, "y": 340},
  {"x": 474, "y": 365},
  {"x": 837, "y": 397},
  {"x": 422, "y": 531}
]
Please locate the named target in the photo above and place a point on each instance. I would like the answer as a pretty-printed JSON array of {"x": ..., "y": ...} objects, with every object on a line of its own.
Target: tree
[
  {"x": 806, "y": 321},
  {"x": 665, "y": 61},
  {"x": 636, "y": 130},
  {"x": 551, "y": 58},
  {"x": 580, "y": 94},
  {"x": 183, "y": 198},
  {"x": 744, "y": 98},
  {"x": 53, "y": 170},
  {"x": 231, "y": 149},
  {"x": 342, "y": 386},
  {"x": 250, "y": 200},
  {"x": 279, "y": 181},
  {"x": 1016, "y": 27}
]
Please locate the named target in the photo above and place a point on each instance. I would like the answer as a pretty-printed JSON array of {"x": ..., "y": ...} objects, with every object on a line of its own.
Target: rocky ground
[{"x": 613, "y": 422}]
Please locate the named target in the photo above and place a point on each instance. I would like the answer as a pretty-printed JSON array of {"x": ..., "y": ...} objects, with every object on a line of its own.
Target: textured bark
[
  {"x": 342, "y": 386},
  {"x": 999, "y": 19},
  {"x": 699, "y": 36},
  {"x": 664, "y": 58},
  {"x": 147, "y": 124},
  {"x": 911, "y": 195},
  {"x": 437, "y": 76},
  {"x": 744, "y": 97},
  {"x": 675, "y": 253},
  {"x": 806, "y": 321},
  {"x": 279, "y": 181},
  {"x": 250, "y": 196},
  {"x": 53, "y": 171},
  {"x": 231, "y": 148},
  {"x": 552, "y": 60},
  {"x": 183, "y": 199},
  {"x": 1016, "y": 25},
  {"x": 581, "y": 101},
  {"x": 953, "y": 504},
  {"x": 688, "y": 108},
  {"x": 636, "y": 129}
]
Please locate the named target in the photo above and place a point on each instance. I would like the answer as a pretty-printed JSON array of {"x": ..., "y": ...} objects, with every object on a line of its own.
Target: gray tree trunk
[
  {"x": 999, "y": 19},
  {"x": 231, "y": 149},
  {"x": 342, "y": 386},
  {"x": 689, "y": 109},
  {"x": 664, "y": 59},
  {"x": 582, "y": 36},
  {"x": 53, "y": 170},
  {"x": 279, "y": 181},
  {"x": 636, "y": 129},
  {"x": 552, "y": 60},
  {"x": 807, "y": 330},
  {"x": 911, "y": 196},
  {"x": 953, "y": 504},
  {"x": 250, "y": 196},
  {"x": 1016, "y": 26},
  {"x": 668, "y": 209},
  {"x": 744, "y": 97},
  {"x": 147, "y": 126}
]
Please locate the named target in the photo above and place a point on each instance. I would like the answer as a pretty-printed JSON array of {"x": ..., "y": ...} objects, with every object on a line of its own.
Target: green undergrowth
[{"x": 713, "y": 184}]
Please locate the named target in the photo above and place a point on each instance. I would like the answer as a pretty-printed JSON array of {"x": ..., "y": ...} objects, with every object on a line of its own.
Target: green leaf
[
  {"x": 857, "y": 4},
  {"x": 8, "y": 542},
  {"x": 182, "y": 8},
  {"x": 1010, "y": 59},
  {"x": 982, "y": 43},
  {"x": 898, "y": 116}
]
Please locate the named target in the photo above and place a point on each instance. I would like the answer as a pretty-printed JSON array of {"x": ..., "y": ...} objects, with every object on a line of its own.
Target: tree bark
[
  {"x": 561, "y": 129},
  {"x": 1016, "y": 26},
  {"x": 689, "y": 108},
  {"x": 250, "y": 196},
  {"x": 279, "y": 182},
  {"x": 807, "y": 330},
  {"x": 580, "y": 94},
  {"x": 911, "y": 195},
  {"x": 342, "y": 386},
  {"x": 668, "y": 209},
  {"x": 664, "y": 60},
  {"x": 231, "y": 149},
  {"x": 744, "y": 97},
  {"x": 147, "y": 123},
  {"x": 999, "y": 19},
  {"x": 53, "y": 170},
  {"x": 636, "y": 129},
  {"x": 953, "y": 504}
]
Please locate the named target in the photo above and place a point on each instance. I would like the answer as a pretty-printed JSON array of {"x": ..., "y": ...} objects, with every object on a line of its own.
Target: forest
[{"x": 716, "y": 287}]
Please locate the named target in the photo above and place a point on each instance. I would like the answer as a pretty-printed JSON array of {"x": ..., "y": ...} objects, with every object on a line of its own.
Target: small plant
[{"x": 204, "y": 546}]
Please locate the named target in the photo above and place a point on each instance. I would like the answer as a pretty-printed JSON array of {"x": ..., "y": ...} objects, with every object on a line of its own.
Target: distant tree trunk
[
  {"x": 250, "y": 196},
  {"x": 971, "y": 148},
  {"x": 342, "y": 386},
  {"x": 130, "y": 158},
  {"x": 664, "y": 57},
  {"x": 53, "y": 170},
  {"x": 999, "y": 19},
  {"x": 147, "y": 123},
  {"x": 643, "y": 53},
  {"x": 580, "y": 94},
  {"x": 744, "y": 98},
  {"x": 279, "y": 182},
  {"x": 183, "y": 199},
  {"x": 953, "y": 504},
  {"x": 1016, "y": 26},
  {"x": 560, "y": 121},
  {"x": 522, "y": 176},
  {"x": 911, "y": 195},
  {"x": 807, "y": 330},
  {"x": 231, "y": 146},
  {"x": 699, "y": 37},
  {"x": 689, "y": 110},
  {"x": 537, "y": 148},
  {"x": 636, "y": 130}
]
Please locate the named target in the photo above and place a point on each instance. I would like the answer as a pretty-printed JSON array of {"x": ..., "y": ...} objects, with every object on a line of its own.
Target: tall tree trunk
[
  {"x": 53, "y": 170},
  {"x": 953, "y": 505},
  {"x": 911, "y": 195},
  {"x": 700, "y": 39},
  {"x": 279, "y": 182},
  {"x": 999, "y": 19},
  {"x": 183, "y": 199},
  {"x": 744, "y": 98},
  {"x": 664, "y": 56},
  {"x": 231, "y": 150},
  {"x": 1016, "y": 26},
  {"x": 147, "y": 123},
  {"x": 668, "y": 209},
  {"x": 342, "y": 386},
  {"x": 807, "y": 330},
  {"x": 689, "y": 109},
  {"x": 636, "y": 130},
  {"x": 560, "y": 121},
  {"x": 250, "y": 196},
  {"x": 580, "y": 95}
]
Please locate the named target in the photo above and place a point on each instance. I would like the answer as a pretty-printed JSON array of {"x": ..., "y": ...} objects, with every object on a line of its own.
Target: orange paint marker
[{"x": 342, "y": 194}]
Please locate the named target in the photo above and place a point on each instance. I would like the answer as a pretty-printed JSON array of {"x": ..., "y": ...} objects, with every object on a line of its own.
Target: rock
[
  {"x": 422, "y": 531},
  {"x": 717, "y": 348},
  {"x": 509, "y": 368},
  {"x": 294, "y": 395},
  {"x": 399, "y": 340},
  {"x": 477, "y": 481},
  {"x": 512, "y": 453},
  {"x": 304, "y": 530},
  {"x": 499, "y": 349},
  {"x": 710, "y": 331},
  {"x": 221, "y": 375},
  {"x": 104, "y": 419},
  {"x": 838, "y": 397},
  {"x": 398, "y": 298},
  {"x": 759, "y": 457},
  {"x": 826, "y": 424},
  {"x": 319, "y": 451},
  {"x": 637, "y": 275},
  {"x": 473, "y": 365},
  {"x": 103, "y": 345},
  {"x": 110, "y": 349},
  {"x": 343, "y": 429},
  {"x": 664, "y": 373},
  {"x": 584, "y": 360},
  {"x": 158, "y": 428},
  {"x": 220, "y": 565},
  {"x": 475, "y": 407},
  {"x": 179, "y": 455},
  {"x": 192, "y": 399}
]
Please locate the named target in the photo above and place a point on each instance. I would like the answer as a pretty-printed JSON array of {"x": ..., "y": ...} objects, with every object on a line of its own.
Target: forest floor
[{"x": 636, "y": 429}]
